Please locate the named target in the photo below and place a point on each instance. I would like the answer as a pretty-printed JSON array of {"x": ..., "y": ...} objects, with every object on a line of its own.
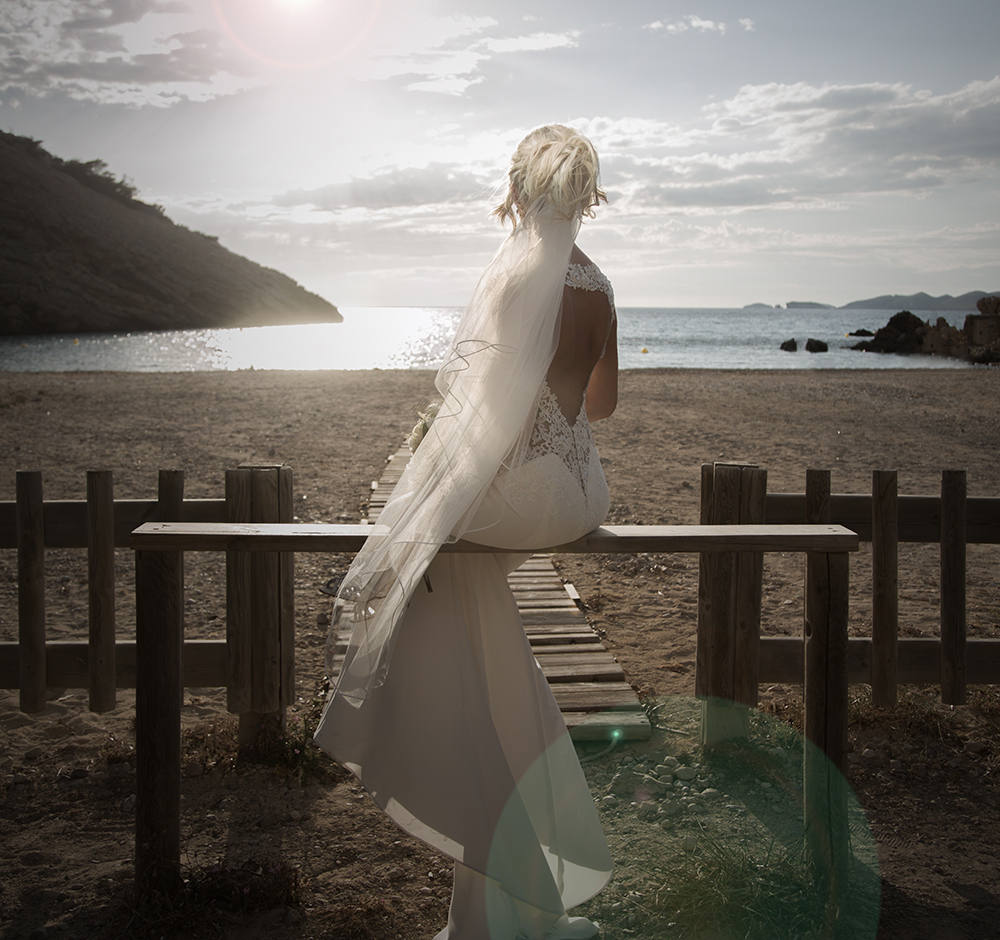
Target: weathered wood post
[
  {"x": 953, "y": 542},
  {"x": 885, "y": 586},
  {"x": 159, "y": 635},
  {"x": 825, "y": 694},
  {"x": 101, "y": 657},
  {"x": 30, "y": 590},
  {"x": 729, "y": 599},
  {"x": 260, "y": 627}
]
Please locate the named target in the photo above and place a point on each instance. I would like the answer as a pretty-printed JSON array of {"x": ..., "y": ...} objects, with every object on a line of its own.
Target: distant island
[
  {"x": 80, "y": 253},
  {"x": 919, "y": 301}
]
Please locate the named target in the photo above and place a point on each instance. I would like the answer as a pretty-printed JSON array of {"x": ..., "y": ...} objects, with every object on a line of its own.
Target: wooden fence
[
  {"x": 255, "y": 662},
  {"x": 732, "y": 655},
  {"x": 884, "y": 518}
]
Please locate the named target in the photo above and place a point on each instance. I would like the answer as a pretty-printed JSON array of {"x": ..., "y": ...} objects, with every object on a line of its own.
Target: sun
[{"x": 297, "y": 34}]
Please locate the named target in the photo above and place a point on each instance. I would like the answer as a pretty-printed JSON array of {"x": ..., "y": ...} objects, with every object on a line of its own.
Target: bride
[{"x": 440, "y": 709}]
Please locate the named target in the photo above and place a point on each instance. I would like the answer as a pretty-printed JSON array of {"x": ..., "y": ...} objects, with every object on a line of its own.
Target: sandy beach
[{"x": 67, "y": 838}]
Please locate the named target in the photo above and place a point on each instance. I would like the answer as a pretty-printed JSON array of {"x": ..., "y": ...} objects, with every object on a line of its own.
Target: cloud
[
  {"x": 691, "y": 22},
  {"x": 76, "y": 48},
  {"x": 448, "y": 55},
  {"x": 536, "y": 42},
  {"x": 804, "y": 145},
  {"x": 433, "y": 185}
]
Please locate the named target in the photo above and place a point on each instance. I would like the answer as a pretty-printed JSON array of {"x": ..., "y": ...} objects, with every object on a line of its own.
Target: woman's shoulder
[{"x": 583, "y": 274}]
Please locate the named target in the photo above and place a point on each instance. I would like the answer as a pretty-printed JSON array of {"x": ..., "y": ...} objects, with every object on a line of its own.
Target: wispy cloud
[
  {"x": 78, "y": 48},
  {"x": 801, "y": 144},
  {"x": 685, "y": 23}
]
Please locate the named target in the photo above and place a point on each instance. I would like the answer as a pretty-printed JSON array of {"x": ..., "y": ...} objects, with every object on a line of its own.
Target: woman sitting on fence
[{"x": 441, "y": 710}]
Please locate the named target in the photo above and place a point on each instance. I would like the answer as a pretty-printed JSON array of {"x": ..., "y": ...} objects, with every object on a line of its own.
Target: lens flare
[{"x": 296, "y": 34}]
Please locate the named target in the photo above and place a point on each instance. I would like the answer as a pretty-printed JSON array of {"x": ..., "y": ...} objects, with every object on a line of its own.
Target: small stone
[
  {"x": 896, "y": 766},
  {"x": 779, "y": 753},
  {"x": 670, "y": 808},
  {"x": 975, "y": 747},
  {"x": 685, "y": 773},
  {"x": 295, "y": 815},
  {"x": 19, "y": 779},
  {"x": 663, "y": 770},
  {"x": 709, "y": 793},
  {"x": 689, "y": 843},
  {"x": 647, "y": 807},
  {"x": 869, "y": 754},
  {"x": 670, "y": 762},
  {"x": 765, "y": 785},
  {"x": 79, "y": 773},
  {"x": 128, "y": 804},
  {"x": 33, "y": 754}
]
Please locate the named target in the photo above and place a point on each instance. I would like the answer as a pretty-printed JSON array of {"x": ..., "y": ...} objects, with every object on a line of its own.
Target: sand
[{"x": 67, "y": 840}]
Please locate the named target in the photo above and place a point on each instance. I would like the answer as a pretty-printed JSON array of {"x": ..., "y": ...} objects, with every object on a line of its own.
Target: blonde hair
[{"x": 557, "y": 164}]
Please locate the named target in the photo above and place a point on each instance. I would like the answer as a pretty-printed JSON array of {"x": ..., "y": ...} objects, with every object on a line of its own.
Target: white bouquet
[{"x": 421, "y": 427}]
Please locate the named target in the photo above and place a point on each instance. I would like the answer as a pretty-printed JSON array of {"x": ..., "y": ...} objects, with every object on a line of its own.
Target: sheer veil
[{"x": 489, "y": 383}]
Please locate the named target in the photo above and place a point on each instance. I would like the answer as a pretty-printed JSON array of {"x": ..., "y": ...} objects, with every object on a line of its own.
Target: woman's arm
[{"x": 602, "y": 390}]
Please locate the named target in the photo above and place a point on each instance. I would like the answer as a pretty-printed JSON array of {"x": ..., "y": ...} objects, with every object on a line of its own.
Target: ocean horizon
[{"x": 418, "y": 337}]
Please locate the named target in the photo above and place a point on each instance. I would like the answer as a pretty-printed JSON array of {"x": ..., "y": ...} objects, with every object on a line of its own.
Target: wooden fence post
[
  {"x": 825, "y": 694},
  {"x": 885, "y": 586},
  {"x": 159, "y": 694},
  {"x": 953, "y": 541},
  {"x": 729, "y": 596},
  {"x": 101, "y": 657},
  {"x": 260, "y": 625},
  {"x": 31, "y": 590}
]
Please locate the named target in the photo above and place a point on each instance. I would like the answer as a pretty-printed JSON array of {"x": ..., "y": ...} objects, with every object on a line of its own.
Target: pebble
[
  {"x": 33, "y": 754},
  {"x": 128, "y": 804},
  {"x": 670, "y": 762},
  {"x": 869, "y": 754},
  {"x": 709, "y": 793},
  {"x": 685, "y": 773},
  {"x": 689, "y": 843},
  {"x": 670, "y": 808},
  {"x": 647, "y": 807}
]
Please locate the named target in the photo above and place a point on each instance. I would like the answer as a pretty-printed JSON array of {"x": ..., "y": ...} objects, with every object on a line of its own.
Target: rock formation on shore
[
  {"x": 79, "y": 253},
  {"x": 905, "y": 333}
]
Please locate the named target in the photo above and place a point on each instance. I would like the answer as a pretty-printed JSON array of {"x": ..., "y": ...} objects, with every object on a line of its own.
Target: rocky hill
[
  {"x": 920, "y": 301},
  {"x": 78, "y": 253}
]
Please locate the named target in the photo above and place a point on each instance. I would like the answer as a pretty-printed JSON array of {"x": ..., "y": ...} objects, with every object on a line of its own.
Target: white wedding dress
[{"x": 463, "y": 744}]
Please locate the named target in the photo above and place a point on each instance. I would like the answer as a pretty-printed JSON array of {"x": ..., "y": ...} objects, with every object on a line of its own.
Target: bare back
[{"x": 586, "y": 359}]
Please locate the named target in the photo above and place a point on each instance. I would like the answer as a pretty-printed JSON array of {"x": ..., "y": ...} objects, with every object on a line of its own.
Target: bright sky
[{"x": 753, "y": 150}]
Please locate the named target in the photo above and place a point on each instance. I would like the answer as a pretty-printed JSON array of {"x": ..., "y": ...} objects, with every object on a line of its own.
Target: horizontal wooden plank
[
  {"x": 66, "y": 664},
  {"x": 919, "y": 516},
  {"x": 65, "y": 520},
  {"x": 919, "y": 660},
  {"x": 319, "y": 537},
  {"x": 592, "y": 696},
  {"x": 632, "y": 725},
  {"x": 583, "y": 672}
]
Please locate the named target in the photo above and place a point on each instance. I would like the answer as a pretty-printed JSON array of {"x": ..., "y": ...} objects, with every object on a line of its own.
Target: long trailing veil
[{"x": 489, "y": 384}]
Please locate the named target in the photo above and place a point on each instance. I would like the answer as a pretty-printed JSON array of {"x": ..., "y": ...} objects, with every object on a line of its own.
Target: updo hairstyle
[{"x": 558, "y": 164}]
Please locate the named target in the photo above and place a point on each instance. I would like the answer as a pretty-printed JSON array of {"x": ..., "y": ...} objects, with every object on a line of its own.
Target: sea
[{"x": 418, "y": 337}]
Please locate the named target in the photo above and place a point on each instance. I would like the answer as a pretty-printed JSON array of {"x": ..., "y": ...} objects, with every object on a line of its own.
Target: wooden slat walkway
[{"x": 585, "y": 678}]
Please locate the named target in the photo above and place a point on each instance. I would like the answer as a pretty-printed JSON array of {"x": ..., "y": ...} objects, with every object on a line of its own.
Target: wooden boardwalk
[{"x": 585, "y": 678}]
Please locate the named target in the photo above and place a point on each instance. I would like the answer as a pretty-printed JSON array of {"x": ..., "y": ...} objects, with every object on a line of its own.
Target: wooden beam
[
  {"x": 885, "y": 585},
  {"x": 31, "y": 590},
  {"x": 318, "y": 537},
  {"x": 101, "y": 588},
  {"x": 953, "y": 540}
]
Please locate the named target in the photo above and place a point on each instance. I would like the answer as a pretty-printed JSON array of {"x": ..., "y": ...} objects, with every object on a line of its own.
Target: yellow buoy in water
[{"x": 644, "y": 349}]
